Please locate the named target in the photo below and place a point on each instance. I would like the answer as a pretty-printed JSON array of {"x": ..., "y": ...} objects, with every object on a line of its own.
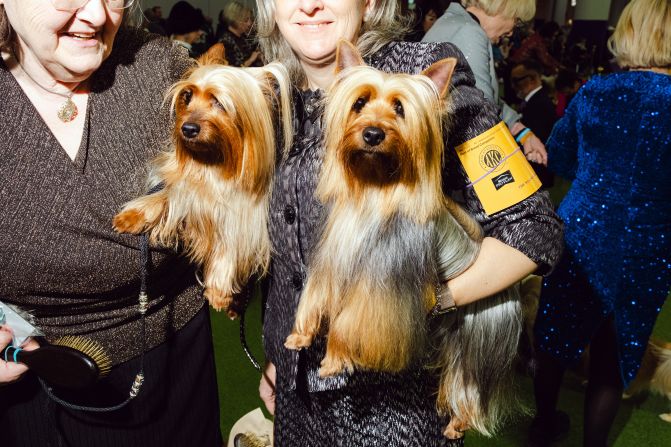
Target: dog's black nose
[
  {"x": 190, "y": 130},
  {"x": 373, "y": 135}
]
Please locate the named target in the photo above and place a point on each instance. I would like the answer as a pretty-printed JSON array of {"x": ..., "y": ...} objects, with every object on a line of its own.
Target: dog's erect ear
[
  {"x": 440, "y": 73},
  {"x": 347, "y": 56},
  {"x": 216, "y": 54}
]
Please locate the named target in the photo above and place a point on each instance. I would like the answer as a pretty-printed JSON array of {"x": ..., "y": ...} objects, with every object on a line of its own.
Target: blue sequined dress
[{"x": 615, "y": 144}]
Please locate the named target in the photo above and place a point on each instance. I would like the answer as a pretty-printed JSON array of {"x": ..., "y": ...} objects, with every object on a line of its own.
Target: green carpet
[{"x": 637, "y": 424}]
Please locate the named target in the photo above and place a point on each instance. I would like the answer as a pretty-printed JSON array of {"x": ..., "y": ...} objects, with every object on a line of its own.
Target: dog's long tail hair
[{"x": 476, "y": 352}]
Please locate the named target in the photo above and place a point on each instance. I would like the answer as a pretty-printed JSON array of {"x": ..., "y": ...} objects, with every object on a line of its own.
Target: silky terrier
[
  {"x": 655, "y": 373},
  {"x": 217, "y": 175},
  {"x": 390, "y": 236}
]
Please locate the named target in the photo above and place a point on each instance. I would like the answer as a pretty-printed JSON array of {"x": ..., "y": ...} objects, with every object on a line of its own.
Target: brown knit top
[{"x": 59, "y": 257}]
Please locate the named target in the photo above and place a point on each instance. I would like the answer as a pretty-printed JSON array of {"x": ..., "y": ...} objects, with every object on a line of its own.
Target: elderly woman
[
  {"x": 82, "y": 115},
  {"x": 369, "y": 408},
  {"x": 614, "y": 276},
  {"x": 240, "y": 49},
  {"x": 473, "y": 26}
]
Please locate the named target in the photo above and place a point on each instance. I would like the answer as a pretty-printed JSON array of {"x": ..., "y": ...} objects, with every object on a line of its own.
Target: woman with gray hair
[
  {"x": 370, "y": 408},
  {"x": 473, "y": 26},
  {"x": 82, "y": 115}
]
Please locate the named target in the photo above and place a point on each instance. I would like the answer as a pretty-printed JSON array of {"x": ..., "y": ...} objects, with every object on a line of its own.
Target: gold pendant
[{"x": 68, "y": 111}]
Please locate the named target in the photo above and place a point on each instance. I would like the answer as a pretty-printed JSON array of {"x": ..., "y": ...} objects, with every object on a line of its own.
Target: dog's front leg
[
  {"x": 220, "y": 280},
  {"x": 141, "y": 214},
  {"x": 337, "y": 358},
  {"x": 309, "y": 315}
]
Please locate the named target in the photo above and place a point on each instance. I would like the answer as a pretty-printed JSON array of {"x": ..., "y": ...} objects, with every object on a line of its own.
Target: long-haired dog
[
  {"x": 390, "y": 235},
  {"x": 217, "y": 176},
  {"x": 654, "y": 373}
]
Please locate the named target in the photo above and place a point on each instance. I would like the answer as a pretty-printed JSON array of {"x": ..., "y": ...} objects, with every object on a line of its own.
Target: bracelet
[
  {"x": 522, "y": 135},
  {"x": 443, "y": 294}
]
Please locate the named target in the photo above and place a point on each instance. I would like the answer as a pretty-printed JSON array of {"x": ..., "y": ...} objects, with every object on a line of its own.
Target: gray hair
[
  {"x": 383, "y": 25},
  {"x": 521, "y": 9}
]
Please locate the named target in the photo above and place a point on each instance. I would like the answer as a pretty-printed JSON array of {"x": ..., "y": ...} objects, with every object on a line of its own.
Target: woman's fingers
[
  {"x": 267, "y": 387},
  {"x": 9, "y": 370}
]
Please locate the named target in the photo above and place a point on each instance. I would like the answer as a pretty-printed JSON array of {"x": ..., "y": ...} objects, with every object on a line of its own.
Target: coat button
[
  {"x": 297, "y": 280},
  {"x": 289, "y": 214}
]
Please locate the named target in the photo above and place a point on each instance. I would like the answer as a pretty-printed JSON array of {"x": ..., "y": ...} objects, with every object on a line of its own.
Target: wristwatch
[{"x": 444, "y": 301}]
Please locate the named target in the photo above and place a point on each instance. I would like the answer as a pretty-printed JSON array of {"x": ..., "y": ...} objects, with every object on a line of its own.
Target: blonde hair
[
  {"x": 385, "y": 24},
  {"x": 520, "y": 9},
  {"x": 235, "y": 12},
  {"x": 642, "y": 37}
]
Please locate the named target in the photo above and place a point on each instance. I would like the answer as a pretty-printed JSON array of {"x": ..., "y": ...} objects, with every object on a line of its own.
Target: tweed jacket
[{"x": 295, "y": 214}]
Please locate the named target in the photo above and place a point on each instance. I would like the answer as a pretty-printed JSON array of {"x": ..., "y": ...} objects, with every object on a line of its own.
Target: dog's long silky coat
[
  {"x": 218, "y": 174},
  {"x": 390, "y": 235}
]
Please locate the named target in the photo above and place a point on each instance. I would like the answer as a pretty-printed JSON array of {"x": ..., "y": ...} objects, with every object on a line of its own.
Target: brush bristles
[{"x": 89, "y": 347}]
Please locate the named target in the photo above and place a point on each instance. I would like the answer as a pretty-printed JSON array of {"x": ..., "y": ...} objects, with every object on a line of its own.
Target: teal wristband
[{"x": 521, "y": 134}]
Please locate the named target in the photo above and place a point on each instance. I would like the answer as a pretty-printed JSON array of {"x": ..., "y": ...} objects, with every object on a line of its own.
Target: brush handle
[{"x": 59, "y": 365}]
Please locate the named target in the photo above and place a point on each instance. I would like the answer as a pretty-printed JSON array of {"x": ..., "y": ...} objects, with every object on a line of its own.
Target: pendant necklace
[{"x": 68, "y": 111}]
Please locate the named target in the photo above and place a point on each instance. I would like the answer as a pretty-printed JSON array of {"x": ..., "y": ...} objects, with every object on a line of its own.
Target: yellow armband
[{"x": 497, "y": 168}]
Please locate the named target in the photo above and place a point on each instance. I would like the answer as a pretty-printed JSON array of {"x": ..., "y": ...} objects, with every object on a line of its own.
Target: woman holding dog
[
  {"x": 614, "y": 277},
  {"x": 82, "y": 115},
  {"x": 368, "y": 408}
]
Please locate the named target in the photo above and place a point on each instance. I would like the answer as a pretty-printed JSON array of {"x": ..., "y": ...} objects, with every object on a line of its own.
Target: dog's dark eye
[
  {"x": 186, "y": 96},
  {"x": 398, "y": 108},
  {"x": 217, "y": 104},
  {"x": 358, "y": 105}
]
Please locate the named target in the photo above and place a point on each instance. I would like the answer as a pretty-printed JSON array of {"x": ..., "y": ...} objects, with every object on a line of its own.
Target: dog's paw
[
  {"x": 332, "y": 366},
  {"x": 296, "y": 341},
  {"x": 455, "y": 429},
  {"x": 219, "y": 300},
  {"x": 129, "y": 221}
]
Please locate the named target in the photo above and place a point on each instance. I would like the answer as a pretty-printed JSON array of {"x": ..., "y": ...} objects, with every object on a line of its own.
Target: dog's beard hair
[{"x": 376, "y": 270}]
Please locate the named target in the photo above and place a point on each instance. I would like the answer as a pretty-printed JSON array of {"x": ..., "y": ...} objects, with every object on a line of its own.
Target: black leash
[
  {"x": 247, "y": 297},
  {"x": 143, "y": 304}
]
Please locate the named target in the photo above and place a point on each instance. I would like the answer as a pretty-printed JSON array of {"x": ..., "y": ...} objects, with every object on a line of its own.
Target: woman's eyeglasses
[{"x": 72, "y": 5}]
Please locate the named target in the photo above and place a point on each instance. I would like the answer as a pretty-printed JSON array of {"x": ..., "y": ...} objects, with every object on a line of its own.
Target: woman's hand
[
  {"x": 267, "y": 387},
  {"x": 10, "y": 371},
  {"x": 534, "y": 149},
  {"x": 496, "y": 267}
]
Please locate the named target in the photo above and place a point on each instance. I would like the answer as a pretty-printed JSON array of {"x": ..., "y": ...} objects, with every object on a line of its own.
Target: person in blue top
[{"x": 614, "y": 143}]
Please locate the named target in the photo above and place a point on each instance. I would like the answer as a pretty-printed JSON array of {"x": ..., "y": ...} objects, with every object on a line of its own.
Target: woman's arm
[
  {"x": 530, "y": 230},
  {"x": 497, "y": 267}
]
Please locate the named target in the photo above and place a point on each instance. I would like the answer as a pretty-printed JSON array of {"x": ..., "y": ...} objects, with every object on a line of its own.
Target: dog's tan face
[
  {"x": 204, "y": 130},
  {"x": 374, "y": 151}
]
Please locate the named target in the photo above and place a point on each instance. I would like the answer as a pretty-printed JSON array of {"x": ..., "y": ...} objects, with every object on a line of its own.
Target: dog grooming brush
[{"x": 70, "y": 362}]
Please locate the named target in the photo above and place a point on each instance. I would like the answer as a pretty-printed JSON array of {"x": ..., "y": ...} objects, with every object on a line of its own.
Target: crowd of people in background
[{"x": 605, "y": 287}]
